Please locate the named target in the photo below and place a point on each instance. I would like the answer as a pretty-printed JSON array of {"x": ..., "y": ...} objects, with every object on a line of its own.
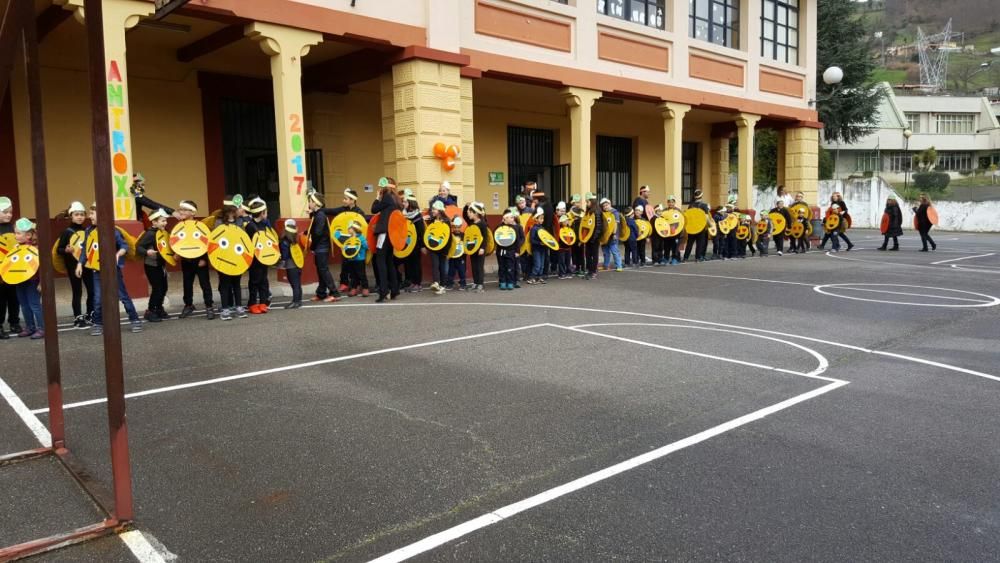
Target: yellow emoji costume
[{"x": 230, "y": 250}]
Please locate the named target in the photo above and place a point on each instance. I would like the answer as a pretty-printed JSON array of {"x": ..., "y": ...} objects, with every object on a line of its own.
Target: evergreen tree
[{"x": 848, "y": 110}]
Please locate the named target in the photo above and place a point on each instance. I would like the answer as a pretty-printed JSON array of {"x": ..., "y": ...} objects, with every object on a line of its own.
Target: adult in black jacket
[
  {"x": 642, "y": 199},
  {"x": 319, "y": 244},
  {"x": 924, "y": 223},
  {"x": 895, "y": 224},
  {"x": 593, "y": 245},
  {"x": 386, "y": 202},
  {"x": 779, "y": 237}
]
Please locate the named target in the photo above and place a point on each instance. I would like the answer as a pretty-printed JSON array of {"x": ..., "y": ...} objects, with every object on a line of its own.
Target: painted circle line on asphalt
[{"x": 956, "y": 298}]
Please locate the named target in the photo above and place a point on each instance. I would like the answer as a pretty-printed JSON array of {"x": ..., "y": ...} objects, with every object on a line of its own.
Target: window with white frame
[
  {"x": 644, "y": 12},
  {"x": 900, "y": 161},
  {"x": 954, "y": 161},
  {"x": 715, "y": 21},
  {"x": 867, "y": 161},
  {"x": 779, "y": 36},
  {"x": 913, "y": 122},
  {"x": 953, "y": 123}
]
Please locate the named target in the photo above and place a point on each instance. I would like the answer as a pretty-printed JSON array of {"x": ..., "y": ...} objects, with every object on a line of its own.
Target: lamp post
[{"x": 909, "y": 161}]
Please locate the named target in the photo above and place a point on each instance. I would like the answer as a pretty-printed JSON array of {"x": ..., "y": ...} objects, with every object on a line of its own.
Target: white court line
[
  {"x": 891, "y": 264},
  {"x": 295, "y": 366},
  {"x": 27, "y": 416},
  {"x": 510, "y": 510},
  {"x": 716, "y": 276},
  {"x": 822, "y": 363},
  {"x": 136, "y": 542},
  {"x": 846, "y": 288},
  {"x": 963, "y": 258},
  {"x": 669, "y": 318}
]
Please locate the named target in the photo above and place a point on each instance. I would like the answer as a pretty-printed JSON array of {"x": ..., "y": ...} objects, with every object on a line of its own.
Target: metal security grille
[
  {"x": 614, "y": 170},
  {"x": 530, "y": 155},
  {"x": 689, "y": 171}
]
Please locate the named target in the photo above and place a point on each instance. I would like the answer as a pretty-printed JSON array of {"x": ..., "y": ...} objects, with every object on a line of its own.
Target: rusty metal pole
[
  {"x": 113, "y": 369},
  {"x": 45, "y": 237}
]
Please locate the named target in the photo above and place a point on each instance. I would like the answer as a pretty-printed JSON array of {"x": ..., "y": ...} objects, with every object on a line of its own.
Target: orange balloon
[
  {"x": 454, "y": 151},
  {"x": 440, "y": 151},
  {"x": 449, "y": 164}
]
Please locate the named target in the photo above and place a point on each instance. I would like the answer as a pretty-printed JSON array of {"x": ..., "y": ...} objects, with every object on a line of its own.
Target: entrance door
[
  {"x": 530, "y": 154},
  {"x": 614, "y": 170},
  {"x": 689, "y": 171}
]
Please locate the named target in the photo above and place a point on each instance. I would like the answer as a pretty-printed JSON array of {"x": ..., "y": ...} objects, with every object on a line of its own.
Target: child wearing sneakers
[
  {"x": 77, "y": 216},
  {"x": 258, "y": 286},
  {"x": 155, "y": 266},
  {"x": 477, "y": 217},
  {"x": 117, "y": 261},
  {"x": 357, "y": 278},
  {"x": 9, "y": 307},
  {"x": 764, "y": 240},
  {"x": 631, "y": 243},
  {"x": 289, "y": 239},
  {"x": 539, "y": 252},
  {"x": 456, "y": 266},
  {"x": 439, "y": 258},
  {"x": 563, "y": 267},
  {"x": 28, "y": 295},
  {"x": 507, "y": 255}
]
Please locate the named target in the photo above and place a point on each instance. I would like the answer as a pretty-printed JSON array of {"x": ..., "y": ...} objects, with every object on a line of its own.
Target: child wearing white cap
[
  {"x": 612, "y": 254},
  {"x": 155, "y": 266},
  {"x": 77, "y": 214},
  {"x": 456, "y": 266},
  {"x": 539, "y": 252},
  {"x": 9, "y": 307},
  {"x": 477, "y": 216},
  {"x": 28, "y": 294}
]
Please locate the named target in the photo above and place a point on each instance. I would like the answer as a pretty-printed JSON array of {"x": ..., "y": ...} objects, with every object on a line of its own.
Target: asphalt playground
[{"x": 822, "y": 407}]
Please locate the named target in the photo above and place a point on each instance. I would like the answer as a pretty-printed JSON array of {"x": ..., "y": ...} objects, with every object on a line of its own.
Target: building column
[
  {"x": 119, "y": 16},
  {"x": 468, "y": 142},
  {"x": 745, "y": 124},
  {"x": 286, "y": 46},
  {"x": 388, "y": 125},
  {"x": 580, "y": 102},
  {"x": 427, "y": 109},
  {"x": 673, "y": 143},
  {"x": 801, "y": 166},
  {"x": 718, "y": 190}
]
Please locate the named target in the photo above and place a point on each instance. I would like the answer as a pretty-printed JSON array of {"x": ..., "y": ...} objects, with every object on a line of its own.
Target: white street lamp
[
  {"x": 833, "y": 75},
  {"x": 909, "y": 161}
]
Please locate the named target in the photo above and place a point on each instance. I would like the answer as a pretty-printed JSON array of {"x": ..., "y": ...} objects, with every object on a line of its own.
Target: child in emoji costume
[
  {"x": 77, "y": 216},
  {"x": 384, "y": 205},
  {"x": 539, "y": 252},
  {"x": 564, "y": 268},
  {"x": 439, "y": 257},
  {"x": 230, "y": 292},
  {"x": 413, "y": 264},
  {"x": 477, "y": 218},
  {"x": 576, "y": 214},
  {"x": 259, "y": 289},
  {"x": 357, "y": 277},
  {"x": 631, "y": 244},
  {"x": 671, "y": 245},
  {"x": 895, "y": 230},
  {"x": 594, "y": 244},
  {"x": 155, "y": 266},
  {"x": 288, "y": 245},
  {"x": 612, "y": 252},
  {"x": 91, "y": 255},
  {"x": 718, "y": 241},
  {"x": 350, "y": 205},
  {"x": 764, "y": 240},
  {"x": 192, "y": 268},
  {"x": 9, "y": 307},
  {"x": 507, "y": 255},
  {"x": 656, "y": 240},
  {"x": 28, "y": 295},
  {"x": 456, "y": 266},
  {"x": 779, "y": 238}
]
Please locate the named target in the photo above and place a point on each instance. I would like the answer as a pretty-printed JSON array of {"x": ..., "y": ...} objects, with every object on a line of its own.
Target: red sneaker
[
  {"x": 343, "y": 287},
  {"x": 353, "y": 293},
  {"x": 364, "y": 293},
  {"x": 263, "y": 308},
  {"x": 254, "y": 310}
]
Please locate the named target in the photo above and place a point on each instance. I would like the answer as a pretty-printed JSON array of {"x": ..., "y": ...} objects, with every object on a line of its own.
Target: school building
[{"x": 269, "y": 96}]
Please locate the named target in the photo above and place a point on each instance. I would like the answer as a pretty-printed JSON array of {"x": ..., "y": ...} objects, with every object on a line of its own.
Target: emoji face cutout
[
  {"x": 229, "y": 250},
  {"x": 163, "y": 247},
  {"x": 609, "y": 226},
  {"x": 189, "y": 239},
  {"x": 587, "y": 226},
  {"x": 265, "y": 246},
  {"x": 505, "y": 236},
  {"x": 437, "y": 236},
  {"x": 352, "y": 247},
  {"x": 339, "y": 224},
  {"x": 567, "y": 236},
  {"x": 20, "y": 265},
  {"x": 778, "y": 222},
  {"x": 695, "y": 221},
  {"x": 547, "y": 239},
  {"x": 743, "y": 232},
  {"x": 473, "y": 240},
  {"x": 761, "y": 227},
  {"x": 457, "y": 248},
  {"x": 7, "y": 245},
  {"x": 670, "y": 223},
  {"x": 298, "y": 257},
  {"x": 76, "y": 242},
  {"x": 832, "y": 222},
  {"x": 92, "y": 251},
  {"x": 411, "y": 242},
  {"x": 645, "y": 229}
]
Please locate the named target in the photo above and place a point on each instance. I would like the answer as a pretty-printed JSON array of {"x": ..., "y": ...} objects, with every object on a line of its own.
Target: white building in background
[{"x": 964, "y": 131}]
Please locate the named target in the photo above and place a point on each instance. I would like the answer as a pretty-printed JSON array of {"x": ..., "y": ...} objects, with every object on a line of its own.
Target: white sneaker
[
  {"x": 779, "y": 253},
  {"x": 435, "y": 286},
  {"x": 439, "y": 291}
]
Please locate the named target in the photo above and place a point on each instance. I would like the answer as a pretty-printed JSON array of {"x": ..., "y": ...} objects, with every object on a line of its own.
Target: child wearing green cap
[
  {"x": 9, "y": 307},
  {"x": 28, "y": 295}
]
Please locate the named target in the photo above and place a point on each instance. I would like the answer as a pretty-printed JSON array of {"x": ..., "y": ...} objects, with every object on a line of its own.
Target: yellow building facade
[{"x": 270, "y": 97}]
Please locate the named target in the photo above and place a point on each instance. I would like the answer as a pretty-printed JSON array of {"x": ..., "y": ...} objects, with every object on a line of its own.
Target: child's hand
[
  {"x": 120, "y": 253},
  {"x": 68, "y": 249},
  {"x": 202, "y": 263},
  {"x": 79, "y": 270},
  {"x": 150, "y": 252},
  {"x": 482, "y": 252}
]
